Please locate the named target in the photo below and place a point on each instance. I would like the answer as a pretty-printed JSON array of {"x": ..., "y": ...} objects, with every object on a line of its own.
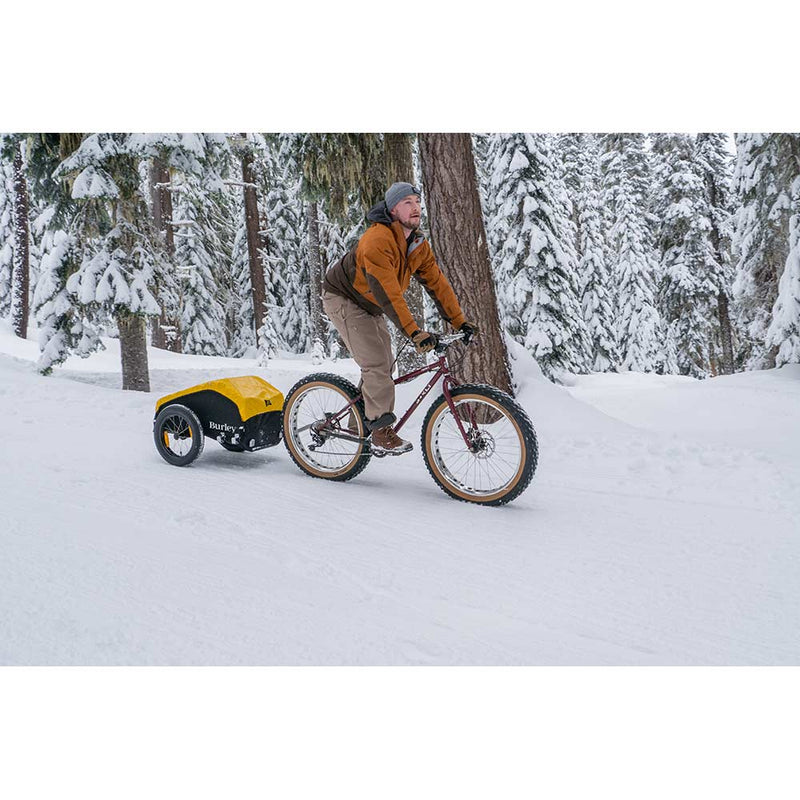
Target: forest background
[{"x": 674, "y": 253}]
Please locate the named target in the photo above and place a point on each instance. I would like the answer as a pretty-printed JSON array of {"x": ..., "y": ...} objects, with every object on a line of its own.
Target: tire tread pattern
[
  {"x": 346, "y": 386},
  {"x": 522, "y": 419}
]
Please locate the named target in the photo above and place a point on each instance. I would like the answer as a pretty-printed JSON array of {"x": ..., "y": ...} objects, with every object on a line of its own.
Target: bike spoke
[
  {"x": 313, "y": 406},
  {"x": 492, "y": 460}
]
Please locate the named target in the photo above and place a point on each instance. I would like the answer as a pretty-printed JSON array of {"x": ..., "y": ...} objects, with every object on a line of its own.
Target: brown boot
[{"x": 386, "y": 442}]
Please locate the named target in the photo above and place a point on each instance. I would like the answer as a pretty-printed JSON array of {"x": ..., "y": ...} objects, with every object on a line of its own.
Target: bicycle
[{"x": 477, "y": 442}]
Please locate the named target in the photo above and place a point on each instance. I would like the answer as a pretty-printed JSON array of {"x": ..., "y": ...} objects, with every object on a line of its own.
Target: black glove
[
  {"x": 424, "y": 341},
  {"x": 469, "y": 330}
]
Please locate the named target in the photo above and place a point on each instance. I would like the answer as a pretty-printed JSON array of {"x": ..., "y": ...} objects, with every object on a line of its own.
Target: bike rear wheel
[
  {"x": 499, "y": 462},
  {"x": 307, "y": 428}
]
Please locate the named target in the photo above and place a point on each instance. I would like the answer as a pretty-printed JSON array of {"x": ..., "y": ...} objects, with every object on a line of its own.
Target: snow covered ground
[{"x": 662, "y": 527}]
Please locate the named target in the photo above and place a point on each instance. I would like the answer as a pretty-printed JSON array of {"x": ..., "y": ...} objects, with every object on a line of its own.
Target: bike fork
[{"x": 446, "y": 387}]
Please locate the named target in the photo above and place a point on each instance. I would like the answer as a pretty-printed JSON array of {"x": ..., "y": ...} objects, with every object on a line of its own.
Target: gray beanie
[{"x": 397, "y": 191}]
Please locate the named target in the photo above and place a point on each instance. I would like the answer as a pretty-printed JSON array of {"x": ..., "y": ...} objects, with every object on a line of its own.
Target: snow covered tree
[
  {"x": 482, "y": 147},
  {"x": 20, "y": 275},
  {"x": 714, "y": 165},
  {"x": 766, "y": 167},
  {"x": 580, "y": 155},
  {"x": 286, "y": 252},
  {"x": 315, "y": 279},
  {"x": 255, "y": 224},
  {"x": 783, "y": 335},
  {"x": 638, "y": 330},
  {"x": 496, "y": 224},
  {"x": 203, "y": 159},
  {"x": 119, "y": 255},
  {"x": 64, "y": 326},
  {"x": 537, "y": 276},
  {"x": 688, "y": 289},
  {"x": 6, "y": 231},
  {"x": 256, "y": 266},
  {"x": 240, "y": 320},
  {"x": 197, "y": 257},
  {"x": 166, "y": 333}
]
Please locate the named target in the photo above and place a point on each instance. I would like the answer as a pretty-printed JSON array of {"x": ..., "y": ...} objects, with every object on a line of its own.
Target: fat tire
[
  {"x": 520, "y": 418},
  {"x": 196, "y": 429},
  {"x": 336, "y": 381}
]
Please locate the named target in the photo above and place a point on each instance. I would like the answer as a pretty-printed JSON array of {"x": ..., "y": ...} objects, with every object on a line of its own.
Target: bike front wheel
[
  {"x": 309, "y": 430},
  {"x": 496, "y": 461}
]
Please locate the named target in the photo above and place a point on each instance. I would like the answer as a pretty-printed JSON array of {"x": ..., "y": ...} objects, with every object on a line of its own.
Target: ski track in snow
[{"x": 661, "y": 528}]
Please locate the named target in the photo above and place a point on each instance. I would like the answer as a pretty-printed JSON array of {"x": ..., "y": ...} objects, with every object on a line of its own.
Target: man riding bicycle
[{"x": 368, "y": 282}]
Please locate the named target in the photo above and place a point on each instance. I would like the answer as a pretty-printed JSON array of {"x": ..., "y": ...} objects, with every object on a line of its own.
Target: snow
[{"x": 661, "y": 528}]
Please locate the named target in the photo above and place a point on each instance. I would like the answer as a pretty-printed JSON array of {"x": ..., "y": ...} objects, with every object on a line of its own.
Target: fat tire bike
[{"x": 477, "y": 442}]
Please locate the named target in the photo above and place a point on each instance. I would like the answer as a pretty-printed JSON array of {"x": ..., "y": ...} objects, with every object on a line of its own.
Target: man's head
[{"x": 403, "y": 202}]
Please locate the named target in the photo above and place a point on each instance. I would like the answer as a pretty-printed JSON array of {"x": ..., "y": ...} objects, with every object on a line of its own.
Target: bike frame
[{"x": 439, "y": 369}]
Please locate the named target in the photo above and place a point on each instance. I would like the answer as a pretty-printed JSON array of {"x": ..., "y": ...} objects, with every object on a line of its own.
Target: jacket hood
[{"x": 380, "y": 213}]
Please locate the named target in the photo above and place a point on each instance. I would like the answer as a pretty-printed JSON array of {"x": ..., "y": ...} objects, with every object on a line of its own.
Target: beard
[{"x": 411, "y": 224}]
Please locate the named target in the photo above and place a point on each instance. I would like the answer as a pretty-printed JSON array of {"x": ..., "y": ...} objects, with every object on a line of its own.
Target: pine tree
[
  {"x": 315, "y": 270},
  {"x": 580, "y": 155},
  {"x": 482, "y": 147},
  {"x": 119, "y": 251},
  {"x": 197, "y": 253},
  {"x": 286, "y": 255},
  {"x": 766, "y": 167},
  {"x": 340, "y": 167},
  {"x": 638, "y": 331},
  {"x": 496, "y": 223},
  {"x": 537, "y": 279},
  {"x": 714, "y": 165},
  {"x": 783, "y": 334},
  {"x": 240, "y": 321},
  {"x": 202, "y": 157},
  {"x": 688, "y": 290},
  {"x": 166, "y": 329},
  {"x": 64, "y": 326},
  {"x": 21, "y": 272},
  {"x": 221, "y": 213},
  {"x": 6, "y": 231}
]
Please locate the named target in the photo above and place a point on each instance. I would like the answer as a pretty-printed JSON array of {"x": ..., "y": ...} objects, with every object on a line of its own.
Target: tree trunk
[
  {"x": 726, "y": 358},
  {"x": 133, "y": 351},
  {"x": 255, "y": 240},
  {"x": 20, "y": 280},
  {"x": 399, "y": 158},
  {"x": 315, "y": 283},
  {"x": 459, "y": 241},
  {"x": 166, "y": 331}
]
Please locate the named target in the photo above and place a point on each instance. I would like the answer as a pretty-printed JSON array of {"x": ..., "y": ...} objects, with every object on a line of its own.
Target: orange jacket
[{"x": 376, "y": 273}]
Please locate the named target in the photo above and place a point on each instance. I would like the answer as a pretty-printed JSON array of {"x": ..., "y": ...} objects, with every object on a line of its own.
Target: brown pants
[{"x": 368, "y": 340}]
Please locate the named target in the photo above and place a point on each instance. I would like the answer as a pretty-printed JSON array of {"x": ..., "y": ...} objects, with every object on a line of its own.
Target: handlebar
[{"x": 445, "y": 340}]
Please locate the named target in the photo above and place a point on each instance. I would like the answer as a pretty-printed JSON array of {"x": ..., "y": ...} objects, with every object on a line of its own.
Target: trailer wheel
[{"x": 178, "y": 435}]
